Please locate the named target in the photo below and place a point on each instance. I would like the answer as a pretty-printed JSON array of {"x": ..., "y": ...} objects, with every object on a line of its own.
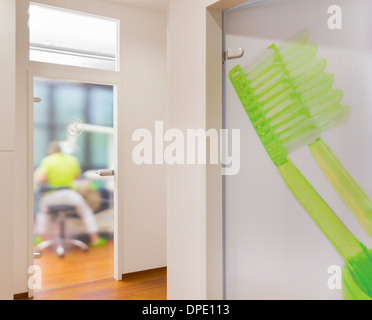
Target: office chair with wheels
[{"x": 61, "y": 213}]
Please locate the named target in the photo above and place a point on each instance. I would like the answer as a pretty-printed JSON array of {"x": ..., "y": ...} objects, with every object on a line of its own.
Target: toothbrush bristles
[{"x": 289, "y": 97}]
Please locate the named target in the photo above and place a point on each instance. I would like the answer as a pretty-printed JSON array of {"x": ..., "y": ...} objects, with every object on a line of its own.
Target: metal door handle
[
  {"x": 37, "y": 255},
  {"x": 234, "y": 53},
  {"x": 106, "y": 173}
]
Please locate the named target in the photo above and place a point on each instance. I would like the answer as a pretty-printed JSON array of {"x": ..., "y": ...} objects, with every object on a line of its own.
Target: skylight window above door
[{"x": 72, "y": 38}]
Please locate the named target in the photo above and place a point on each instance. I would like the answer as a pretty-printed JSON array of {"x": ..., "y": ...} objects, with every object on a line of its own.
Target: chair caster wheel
[{"x": 61, "y": 252}]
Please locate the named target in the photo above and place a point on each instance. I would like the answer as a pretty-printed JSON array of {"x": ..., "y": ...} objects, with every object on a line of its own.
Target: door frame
[
  {"x": 55, "y": 72},
  {"x": 213, "y": 26},
  {"x": 240, "y": 6}
]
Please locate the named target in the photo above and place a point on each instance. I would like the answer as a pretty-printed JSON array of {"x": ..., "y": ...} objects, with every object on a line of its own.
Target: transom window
[{"x": 71, "y": 38}]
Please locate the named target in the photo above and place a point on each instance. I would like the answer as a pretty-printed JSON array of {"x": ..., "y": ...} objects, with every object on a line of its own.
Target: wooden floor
[
  {"x": 151, "y": 286},
  {"x": 77, "y": 266},
  {"x": 89, "y": 276}
]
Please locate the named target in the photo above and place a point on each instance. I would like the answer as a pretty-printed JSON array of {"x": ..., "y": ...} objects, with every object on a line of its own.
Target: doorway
[{"x": 73, "y": 122}]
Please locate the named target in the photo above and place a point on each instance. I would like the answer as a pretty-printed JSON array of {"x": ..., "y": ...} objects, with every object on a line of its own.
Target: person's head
[{"x": 54, "y": 147}]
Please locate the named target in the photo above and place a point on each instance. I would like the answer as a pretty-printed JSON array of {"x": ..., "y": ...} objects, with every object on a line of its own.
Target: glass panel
[
  {"x": 71, "y": 102},
  {"x": 99, "y": 150},
  {"x": 42, "y": 109},
  {"x": 90, "y": 196},
  {"x": 63, "y": 102},
  {"x": 79, "y": 148},
  {"x": 41, "y": 140},
  {"x": 72, "y": 38},
  {"x": 273, "y": 249},
  {"x": 102, "y": 100}
]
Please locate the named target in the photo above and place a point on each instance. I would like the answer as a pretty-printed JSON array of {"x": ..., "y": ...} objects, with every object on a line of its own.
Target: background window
[{"x": 91, "y": 103}]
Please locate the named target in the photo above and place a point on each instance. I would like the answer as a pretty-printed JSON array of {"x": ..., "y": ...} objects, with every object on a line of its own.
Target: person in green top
[{"x": 59, "y": 170}]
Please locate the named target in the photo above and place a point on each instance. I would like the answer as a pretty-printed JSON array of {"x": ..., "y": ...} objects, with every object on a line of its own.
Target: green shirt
[{"x": 61, "y": 169}]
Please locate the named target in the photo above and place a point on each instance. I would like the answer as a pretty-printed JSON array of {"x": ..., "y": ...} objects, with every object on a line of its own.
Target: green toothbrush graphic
[
  {"x": 302, "y": 75},
  {"x": 322, "y": 106},
  {"x": 273, "y": 92}
]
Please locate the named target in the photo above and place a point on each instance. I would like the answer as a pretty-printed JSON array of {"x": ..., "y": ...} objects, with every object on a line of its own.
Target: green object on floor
[
  {"x": 290, "y": 102},
  {"x": 101, "y": 242}
]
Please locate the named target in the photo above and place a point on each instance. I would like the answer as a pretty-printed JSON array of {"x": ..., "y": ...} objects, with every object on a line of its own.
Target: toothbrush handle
[
  {"x": 349, "y": 191},
  {"x": 342, "y": 239}
]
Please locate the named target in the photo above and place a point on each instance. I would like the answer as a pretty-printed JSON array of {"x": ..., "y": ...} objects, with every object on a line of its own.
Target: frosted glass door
[{"x": 273, "y": 248}]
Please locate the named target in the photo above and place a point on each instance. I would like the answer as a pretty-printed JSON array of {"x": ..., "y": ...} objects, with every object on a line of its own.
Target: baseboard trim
[
  {"x": 21, "y": 296},
  {"x": 143, "y": 273}
]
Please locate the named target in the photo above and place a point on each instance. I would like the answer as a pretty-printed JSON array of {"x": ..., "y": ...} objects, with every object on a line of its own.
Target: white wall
[
  {"x": 7, "y": 89},
  {"x": 145, "y": 97},
  {"x": 186, "y": 186},
  {"x": 143, "y": 82},
  {"x": 7, "y": 134},
  {"x": 194, "y": 217}
]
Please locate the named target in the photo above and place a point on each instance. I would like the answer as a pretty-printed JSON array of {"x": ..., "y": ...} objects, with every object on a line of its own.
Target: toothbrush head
[
  {"x": 277, "y": 115},
  {"x": 289, "y": 98},
  {"x": 312, "y": 84}
]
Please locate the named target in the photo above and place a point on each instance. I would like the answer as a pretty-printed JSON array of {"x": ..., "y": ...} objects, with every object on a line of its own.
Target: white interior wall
[
  {"x": 145, "y": 97},
  {"x": 143, "y": 79},
  {"x": 156, "y": 5},
  {"x": 194, "y": 193},
  {"x": 6, "y": 225},
  {"x": 7, "y": 134},
  {"x": 7, "y": 89},
  {"x": 186, "y": 184}
]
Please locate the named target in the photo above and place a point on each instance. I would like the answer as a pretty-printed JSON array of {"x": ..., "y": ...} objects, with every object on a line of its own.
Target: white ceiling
[{"x": 157, "y": 5}]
